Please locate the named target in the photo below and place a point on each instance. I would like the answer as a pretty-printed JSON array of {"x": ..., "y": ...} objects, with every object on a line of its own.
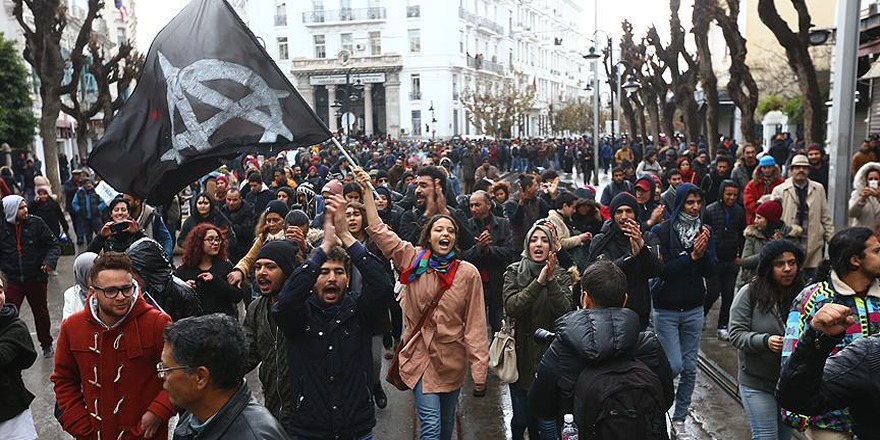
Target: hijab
[
  {"x": 82, "y": 266},
  {"x": 10, "y": 207},
  {"x": 529, "y": 269}
]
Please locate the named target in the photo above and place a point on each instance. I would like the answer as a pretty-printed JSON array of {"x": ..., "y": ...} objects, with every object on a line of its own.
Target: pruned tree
[
  {"x": 42, "y": 50},
  {"x": 797, "y": 51},
  {"x": 702, "y": 18},
  {"x": 495, "y": 109},
  {"x": 120, "y": 70},
  {"x": 684, "y": 81},
  {"x": 17, "y": 121},
  {"x": 655, "y": 74},
  {"x": 741, "y": 85},
  {"x": 645, "y": 100},
  {"x": 575, "y": 117},
  {"x": 628, "y": 118}
]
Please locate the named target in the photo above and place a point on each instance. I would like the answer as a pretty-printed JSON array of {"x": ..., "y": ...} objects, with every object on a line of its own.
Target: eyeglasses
[
  {"x": 163, "y": 371},
  {"x": 113, "y": 291},
  {"x": 214, "y": 240}
]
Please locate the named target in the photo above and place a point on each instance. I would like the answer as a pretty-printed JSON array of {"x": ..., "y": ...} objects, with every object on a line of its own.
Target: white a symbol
[{"x": 187, "y": 83}]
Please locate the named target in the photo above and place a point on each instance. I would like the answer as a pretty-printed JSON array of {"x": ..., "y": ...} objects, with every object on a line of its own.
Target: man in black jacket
[
  {"x": 811, "y": 383},
  {"x": 636, "y": 253},
  {"x": 430, "y": 200},
  {"x": 28, "y": 253},
  {"x": 492, "y": 253},
  {"x": 241, "y": 219},
  {"x": 203, "y": 364},
  {"x": 329, "y": 330},
  {"x": 602, "y": 331},
  {"x": 153, "y": 272},
  {"x": 728, "y": 221}
]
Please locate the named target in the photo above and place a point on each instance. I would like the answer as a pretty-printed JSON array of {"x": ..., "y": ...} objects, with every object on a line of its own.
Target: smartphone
[
  {"x": 873, "y": 184},
  {"x": 118, "y": 227}
]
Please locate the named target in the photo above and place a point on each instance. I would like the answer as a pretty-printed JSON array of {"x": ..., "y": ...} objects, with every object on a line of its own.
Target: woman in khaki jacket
[{"x": 433, "y": 362}]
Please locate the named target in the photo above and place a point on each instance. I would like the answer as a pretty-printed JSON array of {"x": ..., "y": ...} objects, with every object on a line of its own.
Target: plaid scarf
[{"x": 444, "y": 266}]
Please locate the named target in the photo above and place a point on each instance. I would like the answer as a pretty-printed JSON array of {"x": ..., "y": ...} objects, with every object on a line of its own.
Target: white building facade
[{"x": 409, "y": 61}]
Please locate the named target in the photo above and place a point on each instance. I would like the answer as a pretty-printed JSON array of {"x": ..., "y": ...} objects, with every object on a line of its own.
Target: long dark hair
[
  {"x": 764, "y": 293},
  {"x": 425, "y": 236}
]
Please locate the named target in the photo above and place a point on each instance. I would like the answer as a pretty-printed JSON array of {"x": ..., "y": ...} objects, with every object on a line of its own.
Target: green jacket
[
  {"x": 267, "y": 348},
  {"x": 532, "y": 307}
]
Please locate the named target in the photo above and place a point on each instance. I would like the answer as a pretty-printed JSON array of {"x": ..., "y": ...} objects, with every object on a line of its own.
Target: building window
[
  {"x": 417, "y": 122},
  {"x": 320, "y": 46},
  {"x": 461, "y": 41},
  {"x": 415, "y": 41},
  {"x": 416, "y": 87},
  {"x": 455, "y": 87},
  {"x": 121, "y": 35},
  {"x": 283, "y": 53},
  {"x": 347, "y": 42},
  {"x": 375, "y": 43},
  {"x": 413, "y": 9},
  {"x": 281, "y": 14}
]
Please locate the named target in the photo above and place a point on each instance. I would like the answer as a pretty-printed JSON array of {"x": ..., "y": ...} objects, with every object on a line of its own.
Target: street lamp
[
  {"x": 631, "y": 86},
  {"x": 433, "y": 121},
  {"x": 592, "y": 55}
]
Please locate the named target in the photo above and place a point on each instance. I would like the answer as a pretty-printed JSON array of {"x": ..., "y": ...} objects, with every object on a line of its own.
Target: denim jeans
[
  {"x": 522, "y": 418},
  {"x": 679, "y": 334},
  {"x": 436, "y": 413},
  {"x": 765, "y": 418}
]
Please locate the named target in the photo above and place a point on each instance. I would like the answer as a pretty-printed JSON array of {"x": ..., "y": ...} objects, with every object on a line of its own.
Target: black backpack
[{"x": 620, "y": 399}]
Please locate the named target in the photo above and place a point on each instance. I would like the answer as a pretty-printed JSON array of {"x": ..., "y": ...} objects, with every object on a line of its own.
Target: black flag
[{"x": 208, "y": 92}]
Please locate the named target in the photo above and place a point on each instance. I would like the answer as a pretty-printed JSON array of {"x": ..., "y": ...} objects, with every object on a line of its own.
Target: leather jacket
[
  {"x": 164, "y": 290},
  {"x": 241, "y": 418}
]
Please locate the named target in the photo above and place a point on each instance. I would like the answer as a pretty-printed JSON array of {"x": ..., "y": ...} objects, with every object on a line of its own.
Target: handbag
[
  {"x": 502, "y": 353},
  {"x": 392, "y": 376}
]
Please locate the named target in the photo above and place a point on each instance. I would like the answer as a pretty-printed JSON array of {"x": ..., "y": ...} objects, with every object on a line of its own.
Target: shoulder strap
[{"x": 427, "y": 314}]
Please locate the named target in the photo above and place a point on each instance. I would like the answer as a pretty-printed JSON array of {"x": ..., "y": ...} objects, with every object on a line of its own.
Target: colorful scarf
[{"x": 444, "y": 266}]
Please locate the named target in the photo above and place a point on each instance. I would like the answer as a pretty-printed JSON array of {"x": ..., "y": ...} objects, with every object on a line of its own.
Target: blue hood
[{"x": 681, "y": 194}]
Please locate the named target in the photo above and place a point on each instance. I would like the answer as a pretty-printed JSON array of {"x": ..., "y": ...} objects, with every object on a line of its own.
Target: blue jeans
[
  {"x": 522, "y": 418},
  {"x": 436, "y": 413},
  {"x": 765, "y": 417},
  {"x": 679, "y": 334}
]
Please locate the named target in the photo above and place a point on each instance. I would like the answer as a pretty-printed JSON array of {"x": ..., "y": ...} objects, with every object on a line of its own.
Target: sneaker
[
  {"x": 379, "y": 396},
  {"x": 723, "y": 334},
  {"x": 48, "y": 352},
  {"x": 678, "y": 430}
]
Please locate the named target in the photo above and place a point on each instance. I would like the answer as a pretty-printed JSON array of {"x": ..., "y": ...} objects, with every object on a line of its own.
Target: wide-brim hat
[{"x": 800, "y": 160}]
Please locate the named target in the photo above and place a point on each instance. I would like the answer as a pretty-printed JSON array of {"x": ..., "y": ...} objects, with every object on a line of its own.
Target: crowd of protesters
[{"x": 319, "y": 272}]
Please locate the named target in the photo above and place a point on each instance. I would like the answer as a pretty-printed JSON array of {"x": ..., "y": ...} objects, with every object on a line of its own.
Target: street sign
[{"x": 366, "y": 78}]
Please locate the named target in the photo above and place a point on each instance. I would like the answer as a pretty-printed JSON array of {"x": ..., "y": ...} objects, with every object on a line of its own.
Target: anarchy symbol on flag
[{"x": 187, "y": 83}]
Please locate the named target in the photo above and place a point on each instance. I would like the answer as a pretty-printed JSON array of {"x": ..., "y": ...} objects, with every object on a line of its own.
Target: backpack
[{"x": 620, "y": 399}]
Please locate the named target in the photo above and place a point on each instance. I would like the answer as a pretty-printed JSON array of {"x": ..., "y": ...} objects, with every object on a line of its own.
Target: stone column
[
  {"x": 368, "y": 109},
  {"x": 306, "y": 91},
  {"x": 392, "y": 104},
  {"x": 331, "y": 98}
]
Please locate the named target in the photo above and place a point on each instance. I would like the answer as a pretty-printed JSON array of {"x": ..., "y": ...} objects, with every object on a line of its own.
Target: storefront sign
[{"x": 366, "y": 78}]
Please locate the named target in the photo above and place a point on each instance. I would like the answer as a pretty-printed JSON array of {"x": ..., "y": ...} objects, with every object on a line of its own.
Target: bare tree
[
  {"x": 43, "y": 52},
  {"x": 702, "y": 18},
  {"x": 494, "y": 109},
  {"x": 797, "y": 51},
  {"x": 629, "y": 115},
  {"x": 741, "y": 85},
  {"x": 655, "y": 71}
]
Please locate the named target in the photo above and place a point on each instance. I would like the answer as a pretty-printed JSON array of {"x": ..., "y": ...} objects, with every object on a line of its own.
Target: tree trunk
[
  {"x": 48, "y": 118},
  {"x": 741, "y": 86},
  {"x": 701, "y": 18},
  {"x": 654, "y": 116}
]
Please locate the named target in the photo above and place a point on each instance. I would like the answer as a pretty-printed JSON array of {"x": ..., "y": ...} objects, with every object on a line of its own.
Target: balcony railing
[
  {"x": 281, "y": 20},
  {"x": 493, "y": 67},
  {"x": 481, "y": 21},
  {"x": 413, "y": 11},
  {"x": 480, "y": 63},
  {"x": 350, "y": 14},
  {"x": 415, "y": 96}
]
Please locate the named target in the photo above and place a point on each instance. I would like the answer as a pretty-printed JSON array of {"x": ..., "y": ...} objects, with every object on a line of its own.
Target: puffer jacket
[
  {"x": 17, "y": 353},
  {"x": 241, "y": 418},
  {"x": 532, "y": 307},
  {"x": 814, "y": 383},
  {"x": 25, "y": 247},
  {"x": 163, "y": 290},
  {"x": 864, "y": 212},
  {"x": 267, "y": 347},
  {"x": 589, "y": 337}
]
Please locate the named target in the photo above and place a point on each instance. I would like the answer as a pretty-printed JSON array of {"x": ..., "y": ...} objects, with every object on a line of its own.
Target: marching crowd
[{"x": 317, "y": 272}]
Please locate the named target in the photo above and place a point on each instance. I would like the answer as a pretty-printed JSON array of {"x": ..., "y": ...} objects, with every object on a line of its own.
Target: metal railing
[
  {"x": 493, "y": 67},
  {"x": 281, "y": 20},
  {"x": 480, "y": 63},
  {"x": 350, "y": 14},
  {"x": 481, "y": 21},
  {"x": 413, "y": 11},
  {"x": 415, "y": 96}
]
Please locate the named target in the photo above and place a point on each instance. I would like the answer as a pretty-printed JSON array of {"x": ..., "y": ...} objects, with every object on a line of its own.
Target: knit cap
[
  {"x": 770, "y": 210},
  {"x": 282, "y": 252}
]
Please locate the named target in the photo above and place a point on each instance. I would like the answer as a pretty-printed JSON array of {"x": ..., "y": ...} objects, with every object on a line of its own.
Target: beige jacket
[
  {"x": 454, "y": 335},
  {"x": 864, "y": 212},
  {"x": 820, "y": 227},
  {"x": 565, "y": 238}
]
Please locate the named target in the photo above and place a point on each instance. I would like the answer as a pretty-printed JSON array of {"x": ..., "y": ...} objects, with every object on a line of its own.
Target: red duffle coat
[{"x": 105, "y": 378}]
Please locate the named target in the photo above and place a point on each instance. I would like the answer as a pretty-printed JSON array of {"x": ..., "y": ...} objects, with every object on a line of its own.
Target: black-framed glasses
[
  {"x": 163, "y": 371},
  {"x": 113, "y": 291},
  {"x": 214, "y": 240}
]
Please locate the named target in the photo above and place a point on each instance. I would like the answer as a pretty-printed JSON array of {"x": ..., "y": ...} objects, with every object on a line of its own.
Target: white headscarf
[{"x": 10, "y": 207}]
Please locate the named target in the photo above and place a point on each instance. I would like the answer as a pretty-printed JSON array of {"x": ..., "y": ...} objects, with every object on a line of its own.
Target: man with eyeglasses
[{"x": 105, "y": 367}]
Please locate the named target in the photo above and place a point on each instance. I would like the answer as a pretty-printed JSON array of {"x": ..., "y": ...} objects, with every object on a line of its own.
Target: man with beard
[
  {"x": 525, "y": 209},
  {"x": 745, "y": 167},
  {"x": 329, "y": 330},
  {"x": 492, "y": 253},
  {"x": 635, "y": 252},
  {"x": 267, "y": 345},
  {"x": 818, "y": 164},
  {"x": 429, "y": 180},
  {"x": 487, "y": 171},
  {"x": 711, "y": 182},
  {"x": 241, "y": 219},
  {"x": 150, "y": 222},
  {"x": 728, "y": 221},
  {"x": 617, "y": 186},
  {"x": 155, "y": 276},
  {"x": 649, "y": 212}
]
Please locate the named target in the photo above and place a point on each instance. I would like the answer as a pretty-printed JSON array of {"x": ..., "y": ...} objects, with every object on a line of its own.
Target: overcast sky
[{"x": 152, "y": 15}]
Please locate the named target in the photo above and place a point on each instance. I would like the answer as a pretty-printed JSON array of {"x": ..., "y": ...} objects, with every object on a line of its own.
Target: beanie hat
[
  {"x": 767, "y": 161},
  {"x": 775, "y": 248},
  {"x": 296, "y": 217},
  {"x": 282, "y": 252},
  {"x": 770, "y": 210},
  {"x": 278, "y": 207},
  {"x": 623, "y": 199}
]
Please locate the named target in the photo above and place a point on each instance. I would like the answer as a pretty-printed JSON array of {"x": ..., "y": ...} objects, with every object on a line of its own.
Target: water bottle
[{"x": 569, "y": 429}]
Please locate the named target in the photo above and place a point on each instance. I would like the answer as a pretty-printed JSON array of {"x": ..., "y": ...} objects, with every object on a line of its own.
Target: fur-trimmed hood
[
  {"x": 861, "y": 179},
  {"x": 787, "y": 231},
  {"x": 757, "y": 176}
]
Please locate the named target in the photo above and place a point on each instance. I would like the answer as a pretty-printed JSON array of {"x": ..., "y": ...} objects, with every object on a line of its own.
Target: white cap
[{"x": 568, "y": 418}]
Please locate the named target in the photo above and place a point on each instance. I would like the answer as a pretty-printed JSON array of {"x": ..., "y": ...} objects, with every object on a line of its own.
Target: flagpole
[{"x": 352, "y": 161}]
